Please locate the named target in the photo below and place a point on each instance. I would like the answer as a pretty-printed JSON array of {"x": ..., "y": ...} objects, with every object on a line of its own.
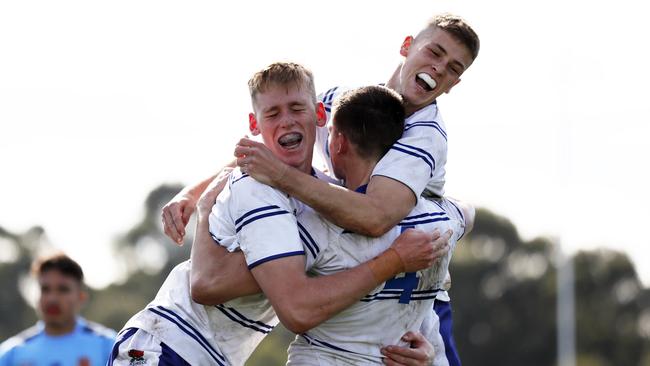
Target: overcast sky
[{"x": 100, "y": 102}]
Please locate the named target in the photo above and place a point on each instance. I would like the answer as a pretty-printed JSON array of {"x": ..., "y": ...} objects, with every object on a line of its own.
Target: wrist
[
  {"x": 283, "y": 180},
  {"x": 386, "y": 265}
]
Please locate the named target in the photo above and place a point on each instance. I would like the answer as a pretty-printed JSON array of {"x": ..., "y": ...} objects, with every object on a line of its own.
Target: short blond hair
[{"x": 282, "y": 73}]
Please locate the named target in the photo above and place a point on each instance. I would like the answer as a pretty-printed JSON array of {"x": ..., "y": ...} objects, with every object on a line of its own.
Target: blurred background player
[{"x": 61, "y": 337}]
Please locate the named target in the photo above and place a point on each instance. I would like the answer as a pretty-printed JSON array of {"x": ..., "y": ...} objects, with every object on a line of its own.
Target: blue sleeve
[
  {"x": 6, "y": 357},
  {"x": 107, "y": 347}
]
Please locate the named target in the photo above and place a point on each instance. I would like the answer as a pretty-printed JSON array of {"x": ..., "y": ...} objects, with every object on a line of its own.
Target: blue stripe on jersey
[
  {"x": 277, "y": 256},
  {"x": 328, "y": 96},
  {"x": 251, "y": 212},
  {"x": 240, "y": 319},
  {"x": 428, "y": 159},
  {"x": 397, "y": 295},
  {"x": 195, "y": 334},
  {"x": 169, "y": 357},
  {"x": 423, "y": 221},
  {"x": 309, "y": 241},
  {"x": 432, "y": 124},
  {"x": 429, "y": 214},
  {"x": 327, "y": 145},
  {"x": 121, "y": 338},
  {"x": 421, "y": 151},
  {"x": 258, "y": 217},
  {"x": 316, "y": 342},
  {"x": 240, "y": 178}
]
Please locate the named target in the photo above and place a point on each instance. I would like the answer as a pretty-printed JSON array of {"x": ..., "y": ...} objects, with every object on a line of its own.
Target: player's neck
[
  {"x": 358, "y": 172},
  {"x": 305, "y": 166},
  {"x": 394, "y": 84},
  {"x": 60, "y": 329}
]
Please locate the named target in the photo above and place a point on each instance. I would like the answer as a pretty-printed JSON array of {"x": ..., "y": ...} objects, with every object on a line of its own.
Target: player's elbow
[
  {"x": 206, "y": 292},
  {"x": 378, "y": 225},
  {"x": 297, "y": 325},
  {"x": 297, "y": 320},
  {"x": 470, "y": 214}
]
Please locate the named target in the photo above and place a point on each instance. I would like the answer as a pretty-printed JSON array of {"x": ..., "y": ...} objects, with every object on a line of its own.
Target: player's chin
[{"x": 294, "y": 158}]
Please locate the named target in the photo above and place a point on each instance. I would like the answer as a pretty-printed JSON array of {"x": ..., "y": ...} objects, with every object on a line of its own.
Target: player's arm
[
  {"x": 214, "y": 269},
  {"x": 384, "y": 205},
  {"x": 177, "y": 212},
  {"x": 303, "y": 302}
]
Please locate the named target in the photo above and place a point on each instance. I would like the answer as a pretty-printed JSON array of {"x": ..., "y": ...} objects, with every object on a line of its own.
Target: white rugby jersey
[
  {"x": 417, "y": 159},
  {"x": 393, "y": 308},
  {"x": 261, "y": 221}
]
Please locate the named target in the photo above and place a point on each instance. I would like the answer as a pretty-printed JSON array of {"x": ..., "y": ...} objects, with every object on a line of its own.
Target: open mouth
[
  {"x": 425, "y": 81},
  {"x": 52, "y": 310},
  {"x": 290, "y": 141}
]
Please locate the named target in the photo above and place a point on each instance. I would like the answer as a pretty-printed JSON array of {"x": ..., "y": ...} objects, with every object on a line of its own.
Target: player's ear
[
  {"x": 83, "y": 296},
  {"x": 406, "y": 46},
  {"x": 342, "y": 144},
  {"x": 321, "y": 115},
  {"x": 452, "y": 85},
  {"x": 252, "y": 124}
]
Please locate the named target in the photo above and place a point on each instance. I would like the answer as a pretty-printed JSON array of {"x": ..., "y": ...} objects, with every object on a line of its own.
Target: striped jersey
[
  {"x": 89, "y": 344},
  {"x": 248, "y": 216},
  {"x": 417, "y": 159},
  {"x": 386, "y": 313}
]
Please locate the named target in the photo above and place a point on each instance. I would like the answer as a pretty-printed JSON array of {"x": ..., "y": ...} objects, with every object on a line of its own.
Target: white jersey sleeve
[
  {"x": 322, "y": 133},
  {"x": 261, "y": 217},
  {"x": 418, "y": 158}
]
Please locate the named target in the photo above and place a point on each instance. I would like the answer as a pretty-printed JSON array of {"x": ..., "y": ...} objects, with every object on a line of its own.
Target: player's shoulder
[
  {"x": 426, "y": 121},
  {"x": 329, "y": 96},
  {"x": 242, "y": 183},
  {"x": 95, "y": 329},
  {"x": 425, "y": 212},
  {"x": 248, "y": 196},
  {"x": 21, "y": 339}
]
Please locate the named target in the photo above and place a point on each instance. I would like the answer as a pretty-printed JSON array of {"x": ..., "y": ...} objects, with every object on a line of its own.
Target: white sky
[{"x": 100, "y": 102}]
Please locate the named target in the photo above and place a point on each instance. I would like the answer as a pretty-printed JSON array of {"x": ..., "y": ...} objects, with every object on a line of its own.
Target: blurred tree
[
  {"x": 148, "y": 256},
  {"x": 504, "y": 301},
  {"x": 15, "y": 313}
]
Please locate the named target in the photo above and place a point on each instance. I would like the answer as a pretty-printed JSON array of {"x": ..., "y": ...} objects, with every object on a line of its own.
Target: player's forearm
[
  {"x": 360, "y": 213},
  {"x": 309, "y": 301},
  {"x": 214, "y": 270}
]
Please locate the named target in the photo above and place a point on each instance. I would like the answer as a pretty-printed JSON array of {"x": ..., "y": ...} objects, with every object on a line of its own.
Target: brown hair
[
  {"x": 372, "y": 118},
  {"x": 458, "y": 28},
  {"x": 282, "y": 73},
  {"x": 61, "y": 263}
]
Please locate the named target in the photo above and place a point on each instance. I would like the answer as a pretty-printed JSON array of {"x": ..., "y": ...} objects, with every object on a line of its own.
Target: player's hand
[
  {"x": 420, "y": 353},
  {"x": 256, "y": 160},
  {"x": 419, "y": 249},
  {"x": 176, "y": 214},
  {"x": 209, "y": 196}
]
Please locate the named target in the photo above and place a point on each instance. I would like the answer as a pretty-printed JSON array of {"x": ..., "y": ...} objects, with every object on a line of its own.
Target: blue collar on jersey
[{"x": 362, "y": 189}]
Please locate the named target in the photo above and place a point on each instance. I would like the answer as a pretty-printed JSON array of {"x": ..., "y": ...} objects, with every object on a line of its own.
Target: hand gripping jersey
[
  {"x": 417, "y": 159},
  {"x": 261, "y": 222},
  {"x": 356, "y": 335}
]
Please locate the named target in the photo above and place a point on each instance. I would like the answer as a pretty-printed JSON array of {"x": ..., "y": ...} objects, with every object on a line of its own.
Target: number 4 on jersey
[{"x": 406, "y": 283}]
